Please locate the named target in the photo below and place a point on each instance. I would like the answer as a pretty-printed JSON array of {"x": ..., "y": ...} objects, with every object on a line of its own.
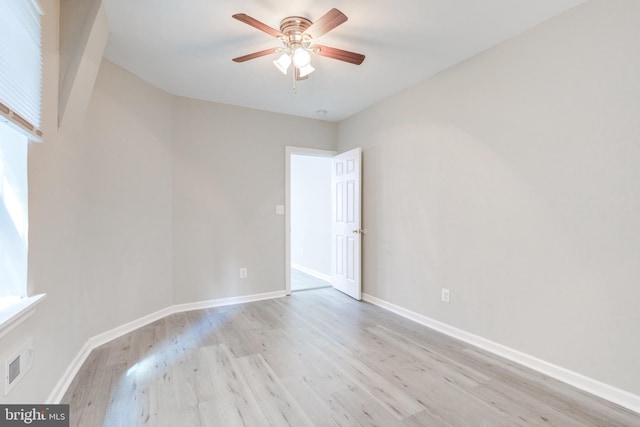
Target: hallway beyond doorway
[{"x": 301, "y": 281}]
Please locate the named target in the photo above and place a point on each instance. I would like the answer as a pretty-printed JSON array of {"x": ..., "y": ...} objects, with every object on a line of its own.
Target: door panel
[{"x": 346, "y": 228}]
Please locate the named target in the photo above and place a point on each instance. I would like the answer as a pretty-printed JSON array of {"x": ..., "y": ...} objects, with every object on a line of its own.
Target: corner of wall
[{"x": 81, "y": 64}]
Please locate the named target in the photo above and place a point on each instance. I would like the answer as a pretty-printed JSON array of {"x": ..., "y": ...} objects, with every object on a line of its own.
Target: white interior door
[{"x": 346, "y": 227}]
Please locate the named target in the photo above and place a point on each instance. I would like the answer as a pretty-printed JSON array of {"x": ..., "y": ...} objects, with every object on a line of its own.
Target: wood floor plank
[
  {"x": 438, "y": 363},
  {"x": 394, "y": 398},
  {"x": 364, "y": 408},
  {"x": 315, "y": 396},
  {"x": 183, "y": 417},
  {"x": 280, "y": 408},
  {"x": 142, "y": 342},
  {"x": 364, "y": 375},
  {"x": 524, "y": 408},
  {"x": 448, "y": 401},
  {"x": 89, "y": 403},
  {"x": 221, "y": 412},
  {"x": 542, "y": 390},
  {"x": 230, "y": 393},
  {"x": 315, "y": 358},
  {"x": 133, "y": 402}
]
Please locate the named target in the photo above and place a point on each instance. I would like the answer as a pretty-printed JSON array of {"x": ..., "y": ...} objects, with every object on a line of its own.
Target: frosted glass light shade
[
  {"x": 283, "y": 63},
  {"x": 306, "y": 70},
  {"x": 301, "y": 58}
]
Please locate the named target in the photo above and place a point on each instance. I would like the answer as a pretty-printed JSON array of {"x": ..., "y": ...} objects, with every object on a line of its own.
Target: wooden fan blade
[
  {"x": 243, "y": 17},
  {"x": 339, "y": 54},
  {"x": 255, "y": 55},
  {"x": 326, "y": 23}
]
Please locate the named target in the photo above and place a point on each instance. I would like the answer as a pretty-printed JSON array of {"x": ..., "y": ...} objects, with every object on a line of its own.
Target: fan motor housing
[{"x": 293, "y": 27}]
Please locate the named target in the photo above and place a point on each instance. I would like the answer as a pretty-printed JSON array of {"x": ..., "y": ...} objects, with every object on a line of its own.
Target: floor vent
[{"x": 16, "y": 365}]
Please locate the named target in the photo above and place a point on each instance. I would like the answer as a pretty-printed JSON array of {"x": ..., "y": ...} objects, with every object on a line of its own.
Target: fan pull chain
[{"x": 295, "y": 86}]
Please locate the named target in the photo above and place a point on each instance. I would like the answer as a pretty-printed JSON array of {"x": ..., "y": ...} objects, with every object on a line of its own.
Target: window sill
[{"x": 14, "y": 311}]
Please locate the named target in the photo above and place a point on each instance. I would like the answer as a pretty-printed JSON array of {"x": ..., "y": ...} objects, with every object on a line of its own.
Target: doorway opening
[{"x": 308, "y": 218}]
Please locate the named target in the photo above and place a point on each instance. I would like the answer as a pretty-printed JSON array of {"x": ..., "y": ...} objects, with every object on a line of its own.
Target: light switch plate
[
  {"x": 446, "y": 295},
  {"x": 279, "y": 209}
]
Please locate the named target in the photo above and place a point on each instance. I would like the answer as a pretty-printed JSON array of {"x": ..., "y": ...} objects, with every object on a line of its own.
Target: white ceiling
[{"x": 185, "y": 47}]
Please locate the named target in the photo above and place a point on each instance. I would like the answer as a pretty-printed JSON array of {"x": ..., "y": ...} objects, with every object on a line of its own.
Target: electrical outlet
[
  {"x": 279, "y": 209},
  {"x": 446, "y": 295},
  {"x": 243, "y": 273}
]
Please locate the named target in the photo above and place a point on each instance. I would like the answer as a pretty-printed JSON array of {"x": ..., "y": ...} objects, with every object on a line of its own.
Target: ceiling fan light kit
[
  {"x": 306, "y": 70},
  {"x": 297, "y": 35},
  {"x": 301, "y": 58},
  {"x": 283, "y": 63}
]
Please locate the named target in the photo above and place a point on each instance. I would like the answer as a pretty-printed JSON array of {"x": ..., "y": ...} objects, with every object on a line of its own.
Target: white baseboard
[
  {"x": 311, "y": 272},
  {"x": 226, "y": 301},
  {"x": 595, "y": 387},
  {"x": 96, "y": 341},
  {"x": 103, "y": 338},
  {"x": 64, "y": 382}
]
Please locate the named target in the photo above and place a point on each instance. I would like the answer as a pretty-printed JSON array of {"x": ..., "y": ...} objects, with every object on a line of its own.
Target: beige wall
[
  {"x": 512, "y": 179},
  {"x": 124, "y": 185},
  {"x": 228, "y": 177},
  {"x": 99, "y": 218},
  {"x": 102, "y": 206}
]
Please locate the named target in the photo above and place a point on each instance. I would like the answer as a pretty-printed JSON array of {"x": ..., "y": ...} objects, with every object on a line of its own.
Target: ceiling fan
[{"x": 297, "y": 35}]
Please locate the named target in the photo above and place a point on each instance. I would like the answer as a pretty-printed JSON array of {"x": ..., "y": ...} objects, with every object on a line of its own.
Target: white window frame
[{"x": 20, "y": 108}]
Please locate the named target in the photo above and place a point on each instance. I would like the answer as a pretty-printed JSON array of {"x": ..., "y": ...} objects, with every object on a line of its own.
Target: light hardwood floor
[{"x": 315, "y": 358}]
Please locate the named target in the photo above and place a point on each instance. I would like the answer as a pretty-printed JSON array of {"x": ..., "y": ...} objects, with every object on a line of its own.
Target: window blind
[{"x": 21, "y": 64}]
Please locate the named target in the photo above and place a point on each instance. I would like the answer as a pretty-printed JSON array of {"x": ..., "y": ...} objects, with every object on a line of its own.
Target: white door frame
[{"x": 290, "y": 151}]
